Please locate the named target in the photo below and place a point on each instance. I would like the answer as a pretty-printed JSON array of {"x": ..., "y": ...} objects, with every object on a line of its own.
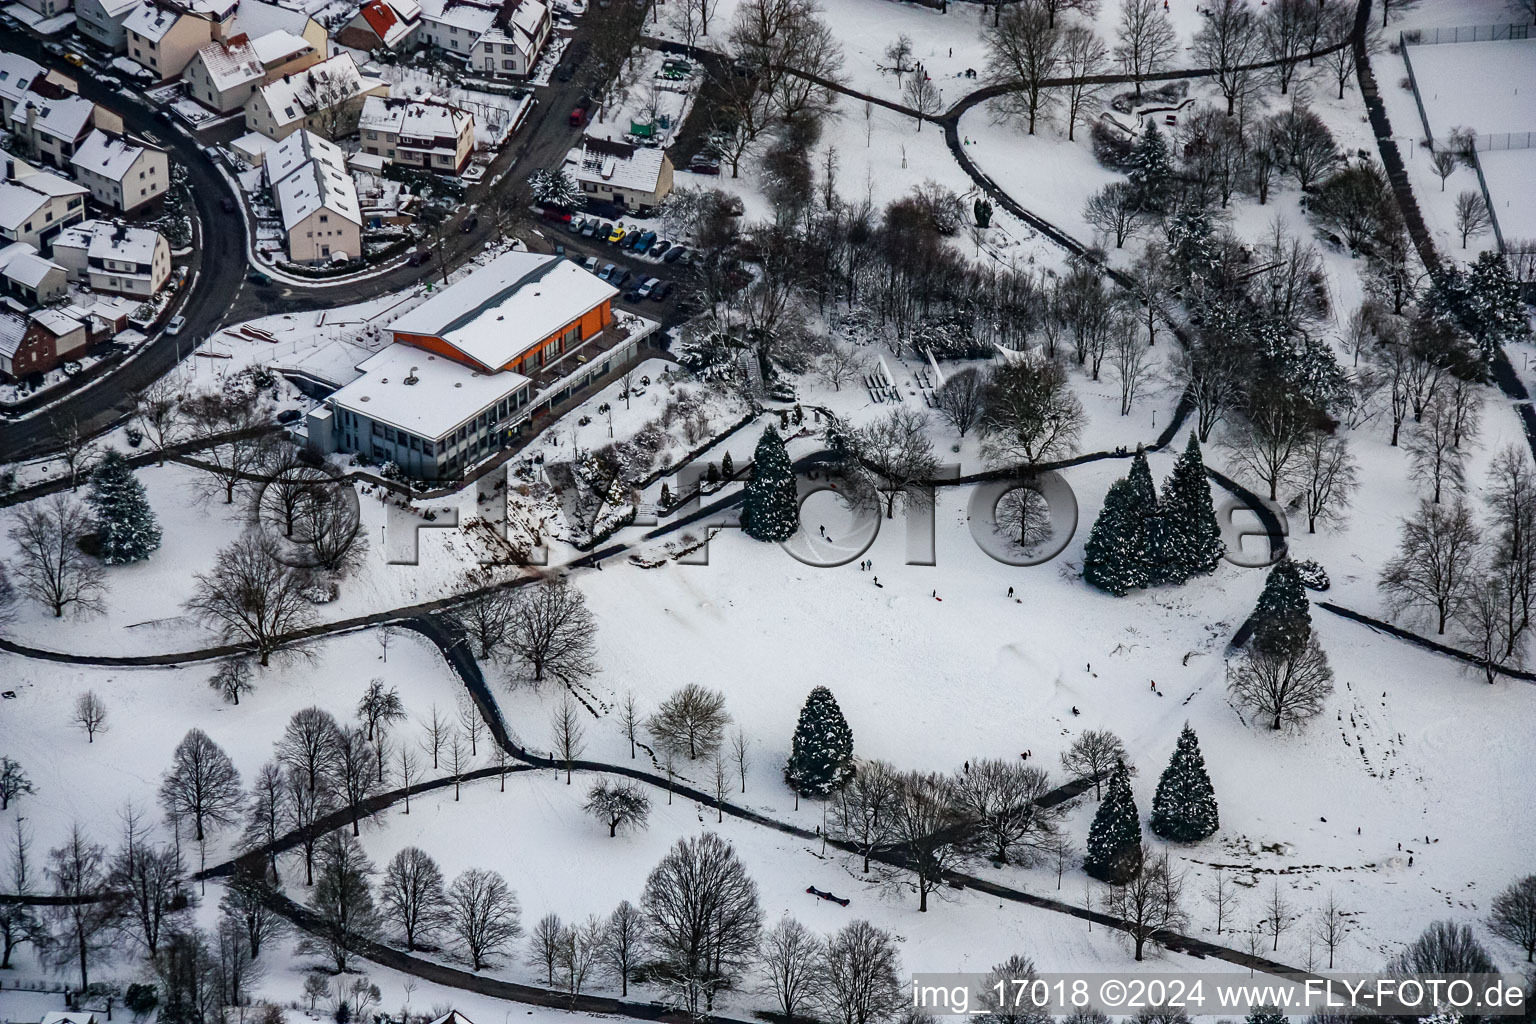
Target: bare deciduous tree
[
  {"x": 567, "y": 733},
  {"x": 552, "y": 633},
  {"x": 202, "y": 785},
  {"x": 1083, "y": 57},
  {"x": 1024, "y": 51},
  {"x": 888, "y": 460},
  {"x": 1115, "y": 210},
  {"x": 840, "y": 364},
  {"x": 1438, "y": 463},
  {"x": 926, "y": 823},
  {"x": 1436, "y": 562},
  {"x": 81, "y": 923},
  {"x": 1288, "y": 689},
  {"x": 1267, "y": 445},
  {"x": 961, "y": 397},
  {"x": 863, "y": 813},
  {"x": 1149, "y": 904},
  {"x": 1147, "y": 40},
  {"x": 1326, "y": 473},
  {"x": 1222, "y": 897},
  {"x": 51, "y": 568},
  {"x": 1092, "y": 756},
  {"x": 1513, "y": 916},
  {"x": 1331, "y": 927},
  {"x": 1000, "y": 800},
  {"x": 1228, "y": 43},
  {"x": 862, "y": 980},
  {"x": 251, "y": 598},
  {"x": 482, "y": 914},
  {"x": 623, "y": 940},
  {"x": 354, "y": 771},
  {"x": 1031, "y": 414},
  {"x": 1472, "y": 216},
  {"x": 619, "y": 805},
  {"x": 702, "y": 918},
  {"x": 90, "y": 714},
  {"x": 691, "y": 721}
]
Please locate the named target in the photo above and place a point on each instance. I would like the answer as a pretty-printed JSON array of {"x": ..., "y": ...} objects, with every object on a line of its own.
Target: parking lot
[{"x": 631, "y": 262}]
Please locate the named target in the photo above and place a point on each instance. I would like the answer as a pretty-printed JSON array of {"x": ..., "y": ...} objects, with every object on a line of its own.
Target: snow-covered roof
[
  {"x": 17, "y": 74},
  {"x": 76, "y": 236},
  {"x": 279, "y": 46},
  {"x": 257, "y": 18},
  {"x": 636, "y": 168},
  {"x": 307, "y": 174},
  {"x": 12, "y": 329},
  {"x": 526, "y": 20},
  {"x": 110, "y": 156},
  {"x": 151, "y": 21},
  {"x": 30, "y": 269},
  {"x": 233, "y": 64},
  {"x": 117, "y": 8},
  {"x": 391, "y": 20},
  {"x": 443, "y": 395},
  {"x": 293, "y": 96},
  {"x": 466, "y": 15},
  {"x": 416, "y": 118},
  {"x": 288, "y": 155},
  {"x": 252, "y": 147},
  {"x": 13, "y": 250},
  {"x": 49, "y": 184},
  {"x": 119, "y": 242},
  {"x": 56, "y": 321},
  {"x": 63, "y": 118},
  {"x": 498, "y": 312},
  {"x": 17, "y": 203}
]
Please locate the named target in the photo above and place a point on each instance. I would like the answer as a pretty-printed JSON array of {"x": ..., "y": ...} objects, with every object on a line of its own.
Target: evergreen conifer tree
[
  {"x": 1282, "y": 619},
  {"x": 1184, "y": 807},
  {"x": 1113, "y": 558},
  {"x": 727, "y": 467},
  {"x": 771, "y": 510},
  {"x": 1496, "y": 313},
  {"x": 1151, "y": 171},
  {"x": 1272, "y": 1015},
  {"x": 1114, "y": 838},
  {"x": 821, "y": 754},
  {"x": 1188, "y": 541},
  {"x": 126, "y": 528}
]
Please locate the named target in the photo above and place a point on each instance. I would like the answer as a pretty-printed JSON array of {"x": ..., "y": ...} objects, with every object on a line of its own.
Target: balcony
[{"x": 586, "y": 354}]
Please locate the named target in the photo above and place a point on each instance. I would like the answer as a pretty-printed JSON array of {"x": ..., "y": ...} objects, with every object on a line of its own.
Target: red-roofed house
[{"x": 386, "y": 24}]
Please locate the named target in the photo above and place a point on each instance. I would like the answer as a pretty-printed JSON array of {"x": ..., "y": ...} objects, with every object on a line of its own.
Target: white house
[
  {"x": 52, "y": 127},
  {"x": 427, "y": 134},
  {"x": 48, "y": 8},
  {"x": 325, "y": 97},
  {"x": 635, "y": 177},
  {"x": 498, "y": 40},
  {"x": 315, "y": 197},
  {"x": 164, "y": 39},
  {"x": 29, "y": 277},
  {"x": 36, "y": 205},
  {"x": 101, "y": 21},
  {"x": 120, "y": 173},
  {"x": 115, "y": 258},
  {"x": 17, "y": 74}
]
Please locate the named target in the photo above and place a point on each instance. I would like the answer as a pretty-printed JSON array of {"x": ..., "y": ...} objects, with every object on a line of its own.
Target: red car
[{"x": 558, "y": 214}]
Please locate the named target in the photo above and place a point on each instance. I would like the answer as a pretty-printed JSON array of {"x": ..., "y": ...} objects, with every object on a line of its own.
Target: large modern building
[{"x": 473, "y": 365}]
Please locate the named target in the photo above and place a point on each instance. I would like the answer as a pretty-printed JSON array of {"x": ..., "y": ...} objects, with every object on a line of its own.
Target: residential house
[
  {"x": 101, "y": 21},
  {"x": 382, "y": 24},
  {"x": 17, "y": 74},
  {"x": 52, "y": 124},
  {"x": 471, "y": 366},
  {"x": 30, "y": 278},
  {"x": 428, "y": 134},
  {"x": 113, "y": 258},
  {"x": 36, "y": 205},
  {"x": 315, "y": 197},
  {"x": 46, "y": 9},
  {"x": 121, "y": 174},
  {"x": 637, "y": 178},
  {"x": 223, "y": 75},
  {"x": 326, "y": 98},
  {"x": 497, "y": 40},
  {"x": 164, "y": 39},
  {"x": 39, "y": 343}
]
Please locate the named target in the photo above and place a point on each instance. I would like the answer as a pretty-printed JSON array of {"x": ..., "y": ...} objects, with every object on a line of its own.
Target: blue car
[{"x": 646, "y": 241}]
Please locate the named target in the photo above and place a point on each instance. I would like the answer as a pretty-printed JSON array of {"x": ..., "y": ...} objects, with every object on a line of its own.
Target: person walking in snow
[{"x": 1010, "y": 591}]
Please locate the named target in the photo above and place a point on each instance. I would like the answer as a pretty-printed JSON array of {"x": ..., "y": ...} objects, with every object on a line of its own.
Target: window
[
  {"x": 325, "y": 218},
  {"x": 509, "y": 65},
  {"x": 415, "y": 443},
  {"x": 389, "y": 433},
  {"x": 426, "y": 448},
  {"x": 373, "y": 135}
]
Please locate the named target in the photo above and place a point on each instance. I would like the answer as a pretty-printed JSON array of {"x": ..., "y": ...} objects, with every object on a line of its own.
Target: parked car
[
  {"x": 645, "y": 288},
  {"x": 289, "y": 415},
  {"x": 417, "y": 257},
  {"x": 578, "y": 118},
  {"x": 176, "y": 324},
  {"x": 620, "y": 275},
  {"x": 686, "y": 257},
  {"x": 674, "y": 254},
  {"x": 659, "y": 250},
  {"x": 661, "y": 291},
  {"x": 74, "y": 58},
  {"x": 557, "y": 214},
  {"x": 576, "y": 224},
  {"x": 588, "y": 228},
  {"x": 603, "y": 231},
  {"x": 257, "y": 277},
  {"x": 633, "y": 295},
  {"x": 606, "y": 273},
  {"x": 617, "y": 234},
  {"x": 590, "y": 264},
  {"x": 564, "y": 73},
  {"x": 646, "y": 241},
  {"x": 470, "y": 223}
]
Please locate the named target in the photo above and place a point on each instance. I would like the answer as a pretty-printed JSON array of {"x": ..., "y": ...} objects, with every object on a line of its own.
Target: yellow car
[
  {"x": 75, "y": 59},
  {"x": 617, "y": 235}
]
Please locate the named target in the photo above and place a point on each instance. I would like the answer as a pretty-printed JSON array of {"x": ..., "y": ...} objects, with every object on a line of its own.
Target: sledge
[{"x": 827, "y": 896}]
